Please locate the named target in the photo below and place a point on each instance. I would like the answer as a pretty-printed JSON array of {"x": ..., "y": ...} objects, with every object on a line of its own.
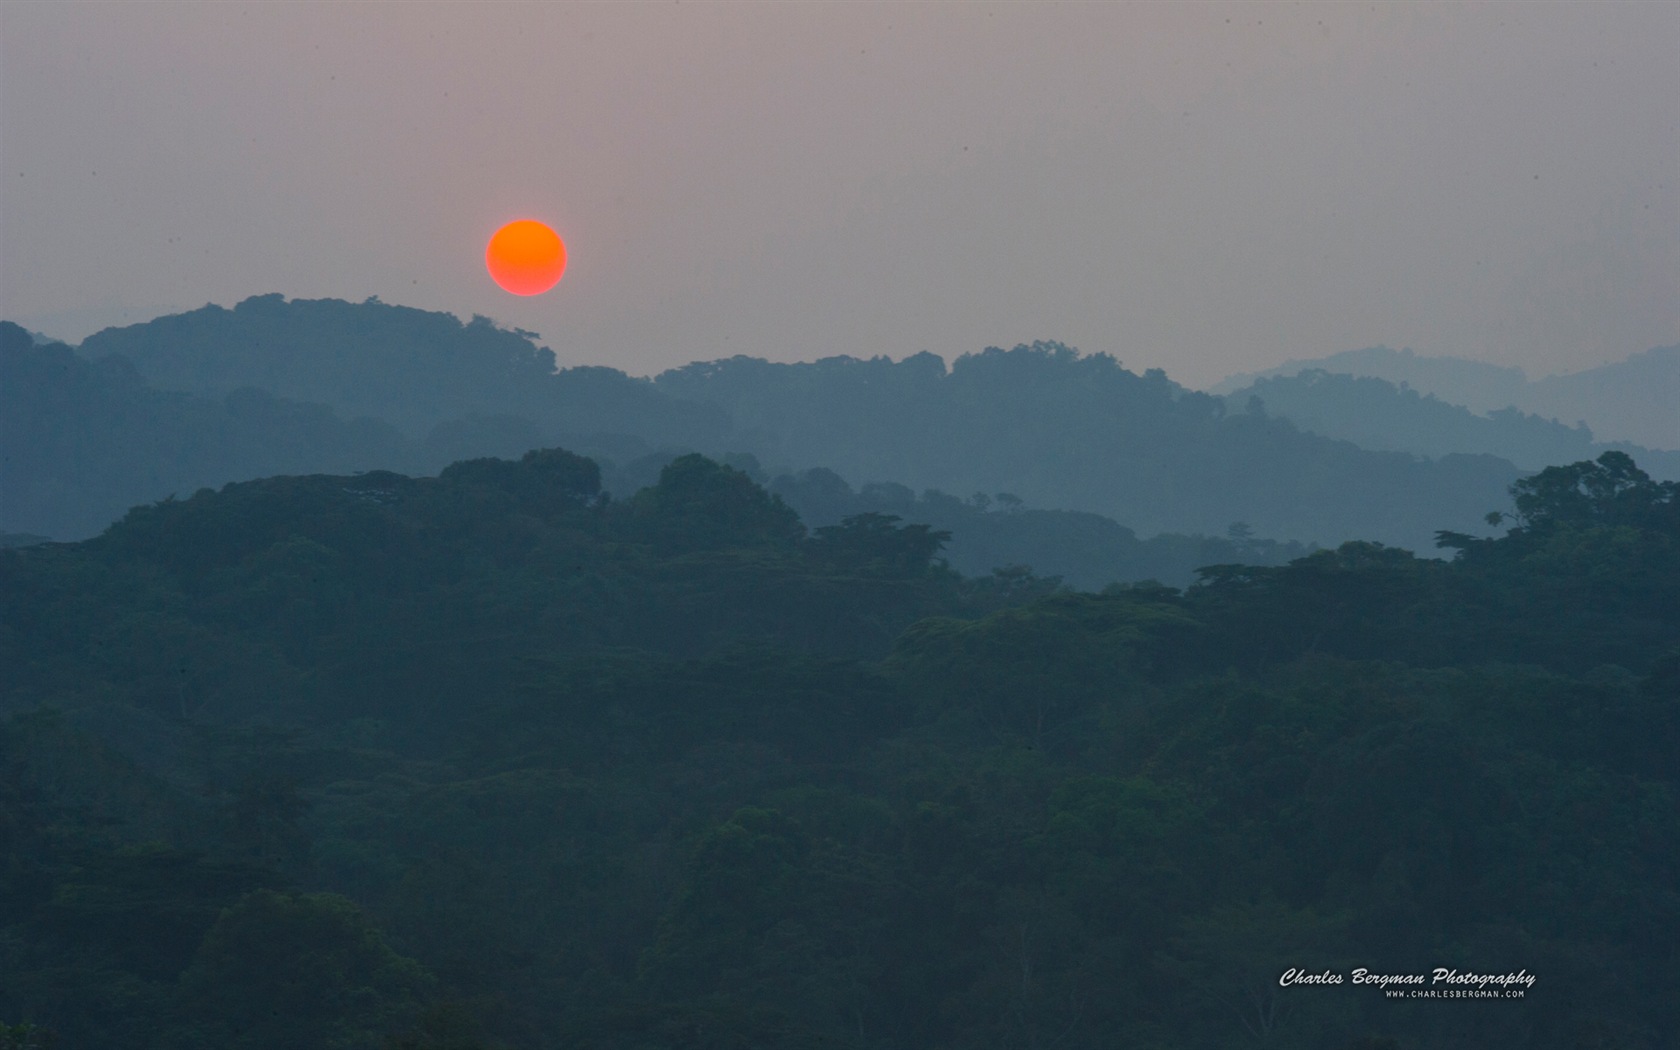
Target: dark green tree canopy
[
  {"x": 487, "y": 762},
  {"x": 700, "y": 504},
  {"x": 1610, "y": 491},
  {"x": 876, "y": 542}
]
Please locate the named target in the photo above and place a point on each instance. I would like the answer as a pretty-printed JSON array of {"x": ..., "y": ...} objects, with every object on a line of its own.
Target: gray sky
[{"x": 1204, "y": 188}]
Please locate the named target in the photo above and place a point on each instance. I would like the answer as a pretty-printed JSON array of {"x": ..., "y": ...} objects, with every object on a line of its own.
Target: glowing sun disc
[{"x": 525, "y": 257}]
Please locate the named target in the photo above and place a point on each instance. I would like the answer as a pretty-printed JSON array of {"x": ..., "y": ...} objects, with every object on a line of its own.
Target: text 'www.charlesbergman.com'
[
  {"x": 1455, "y": 993},
  {"x": 1439, "y": 983}
]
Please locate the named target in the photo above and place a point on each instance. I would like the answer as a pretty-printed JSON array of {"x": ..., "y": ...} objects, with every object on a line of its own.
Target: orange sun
[{"x": 526, "y": 257}]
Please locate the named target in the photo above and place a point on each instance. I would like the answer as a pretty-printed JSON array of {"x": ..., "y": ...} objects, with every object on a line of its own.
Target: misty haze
[{"x": 965, "y": 526}]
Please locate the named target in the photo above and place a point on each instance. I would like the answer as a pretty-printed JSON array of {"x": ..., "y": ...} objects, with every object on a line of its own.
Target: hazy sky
[{"x": 1205, "y": 188}]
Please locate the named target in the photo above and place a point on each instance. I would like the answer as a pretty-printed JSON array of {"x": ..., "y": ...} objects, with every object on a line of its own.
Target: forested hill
[
  {"x": 1477, "y": 385},
  {"x": 1058, "y": 430},
  {"x": 1063, "y": 430},
  {"x": 83, "y": 441},
  {"x": 411, "y": 368},
  {"x": 489, "y": 762}
]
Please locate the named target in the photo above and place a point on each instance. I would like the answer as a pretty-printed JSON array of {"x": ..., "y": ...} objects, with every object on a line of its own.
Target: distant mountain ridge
[
  {"x": 414, "y": 369},
  {"x": 305, "y": 349},
  {"x": 1059, "y": 430},
  {"x": 1476, "y": 385},
  {"x": 85, "y": 441},
  {"x": 1625, "y": 401},
  {"x": 1635, "y": 400},
  {"x": 1374, "y": 413},
  {"x": 1079, "y": 432}
]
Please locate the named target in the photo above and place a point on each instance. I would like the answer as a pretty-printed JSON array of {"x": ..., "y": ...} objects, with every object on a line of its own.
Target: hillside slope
[
  {"x": 1376, "y": 414},
  {"x": 1626, "y": 403},
  {"x": 1066, "y": 431},
  {"x": 81, "y": 442}
]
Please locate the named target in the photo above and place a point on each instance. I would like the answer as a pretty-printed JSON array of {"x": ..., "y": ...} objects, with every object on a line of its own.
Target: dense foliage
[{"x": 489, "y": 760}]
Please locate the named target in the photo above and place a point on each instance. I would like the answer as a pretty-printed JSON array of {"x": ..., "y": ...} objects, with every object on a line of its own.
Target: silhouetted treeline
[
  {"x": 411, "y": 368},
  {"x": 492, "y": 760},
  {"x": 86, "y": 440},
  {"x": 1060, "y": 430}
]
